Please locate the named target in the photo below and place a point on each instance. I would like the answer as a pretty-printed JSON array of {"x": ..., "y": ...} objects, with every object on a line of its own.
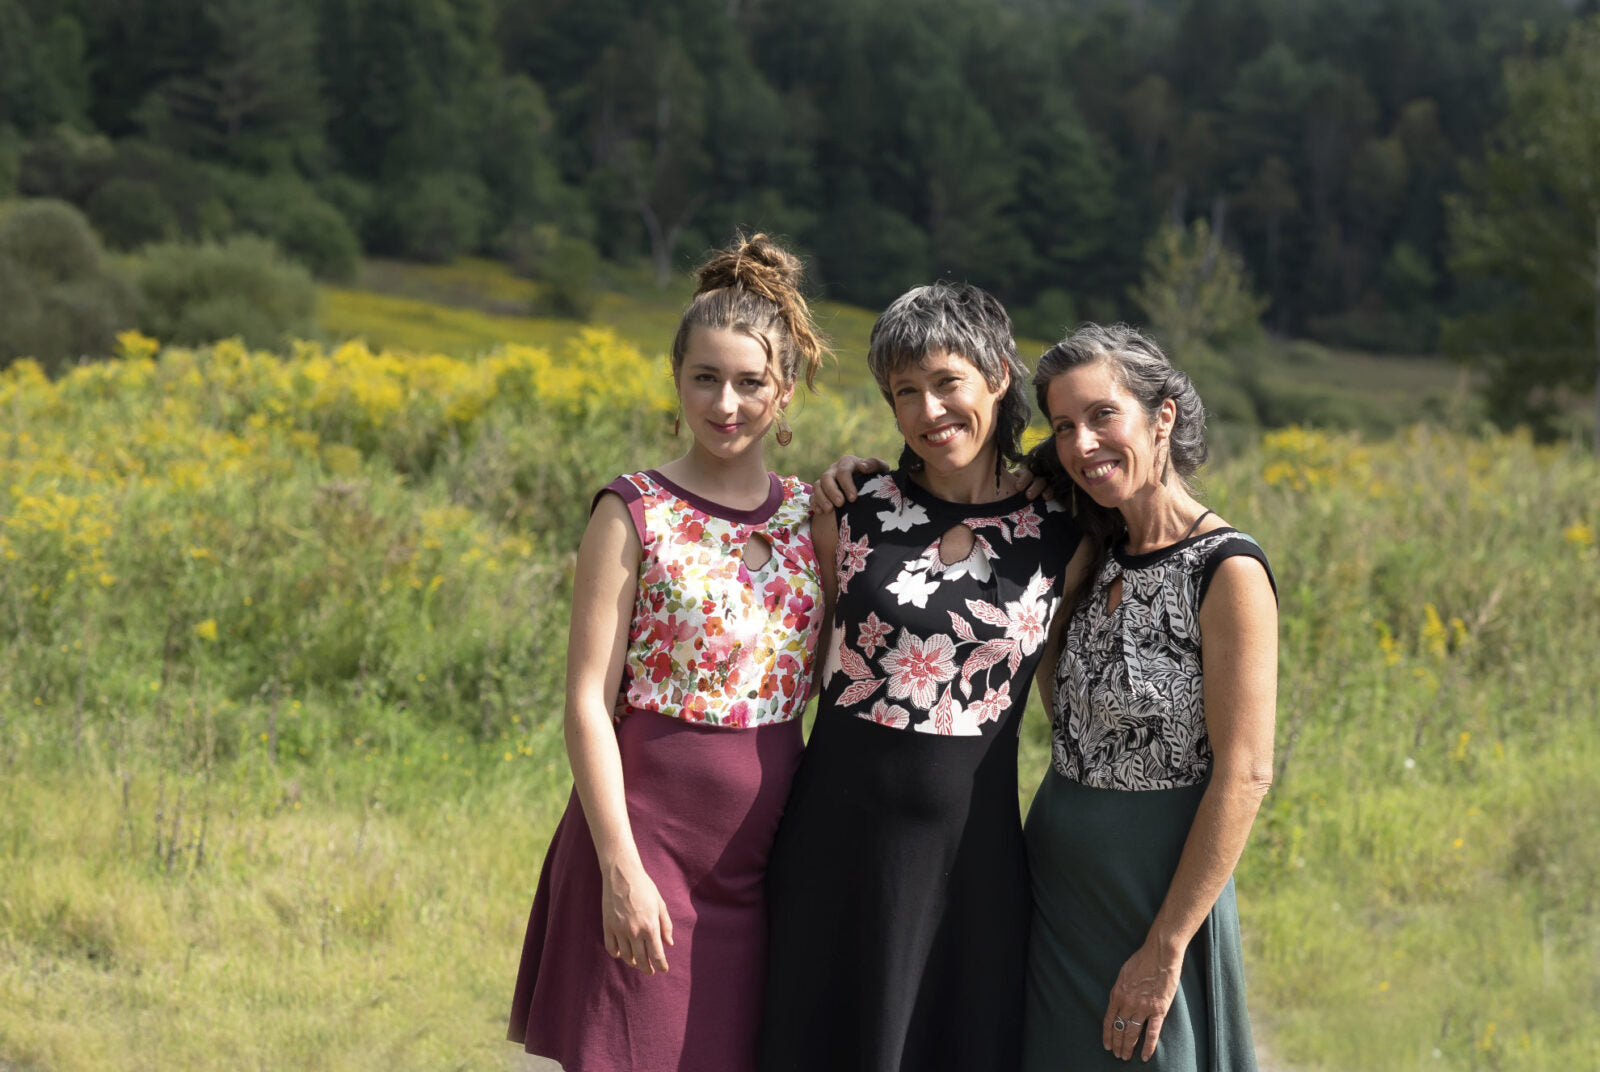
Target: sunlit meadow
[{"x": 281, "y": 642}]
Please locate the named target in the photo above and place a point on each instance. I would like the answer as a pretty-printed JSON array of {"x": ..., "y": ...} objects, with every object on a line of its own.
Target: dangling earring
[
  {"x": 1166, "y": 466},
  {"x": 677, "y": 419},
  {"x": 783, "y": 435}
]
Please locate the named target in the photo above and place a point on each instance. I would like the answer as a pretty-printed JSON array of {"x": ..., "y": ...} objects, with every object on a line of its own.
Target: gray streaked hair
[
  {"x": 955, "y": 318},
  {"x": 1150, "y": 377},
  {"x": 1145, "y": 373}
]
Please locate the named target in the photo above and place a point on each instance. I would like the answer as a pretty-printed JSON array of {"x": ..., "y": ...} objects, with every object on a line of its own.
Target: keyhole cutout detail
[
  {"x": 757, "y": 552},
  {"x": 1114, "y": 594},
  {"x": 956, "y": 544}
]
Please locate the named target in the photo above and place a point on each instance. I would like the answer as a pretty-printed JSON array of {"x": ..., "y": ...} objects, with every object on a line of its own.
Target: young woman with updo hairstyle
[
  {"x": 1162, "y": 703},
  {"x": 695, "y": 618}
]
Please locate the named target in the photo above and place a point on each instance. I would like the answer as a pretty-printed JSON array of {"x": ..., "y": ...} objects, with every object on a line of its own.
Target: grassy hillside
[
  {"x": 279, "y": 747},
  {"x": 472, "y": 306}
]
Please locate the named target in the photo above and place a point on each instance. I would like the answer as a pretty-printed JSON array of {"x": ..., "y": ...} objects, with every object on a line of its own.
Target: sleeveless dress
[
  {"x": 717, "y": 672},
  {"x": 898, "y": 885},
  {"x": 1130, "y": 762}
]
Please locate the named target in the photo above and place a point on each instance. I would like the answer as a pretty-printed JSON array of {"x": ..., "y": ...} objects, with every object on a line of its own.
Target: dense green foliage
[
  {"x": 1034, "y": 147},
  {"x": 242, "y": 287},
  {"x": 59, "y": 299},
  {"x": 1527, "y": 239}
]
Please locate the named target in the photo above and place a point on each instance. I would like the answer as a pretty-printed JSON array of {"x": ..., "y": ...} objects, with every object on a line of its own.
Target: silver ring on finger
[
  {"x": 1119, "y": 1024},
  {"x": 1135, "y": 1023}
]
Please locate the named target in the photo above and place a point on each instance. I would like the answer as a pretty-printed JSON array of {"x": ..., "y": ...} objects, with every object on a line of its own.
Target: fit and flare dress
[
  {"x": 1130, "y": 762},
  {"x": 717, "y": 671},
  {"x": 898, "y": 886}
]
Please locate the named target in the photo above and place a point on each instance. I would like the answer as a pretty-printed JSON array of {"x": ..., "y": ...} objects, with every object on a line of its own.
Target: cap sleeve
[
  {"x": 628, "y": 491},
  {"x": 1238, "y": 544}
]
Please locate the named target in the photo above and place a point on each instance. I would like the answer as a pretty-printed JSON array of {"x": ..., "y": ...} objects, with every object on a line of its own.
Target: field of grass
[
  {"x": 279, "y": 719},
  {"x": 473, "y": 306}
]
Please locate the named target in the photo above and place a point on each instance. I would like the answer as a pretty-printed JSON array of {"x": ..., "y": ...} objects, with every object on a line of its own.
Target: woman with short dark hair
[{"x": 897, "y": 890}]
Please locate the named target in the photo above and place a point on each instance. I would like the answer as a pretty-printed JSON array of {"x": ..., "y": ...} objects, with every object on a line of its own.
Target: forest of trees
[{"x": 1034, "y": 146}]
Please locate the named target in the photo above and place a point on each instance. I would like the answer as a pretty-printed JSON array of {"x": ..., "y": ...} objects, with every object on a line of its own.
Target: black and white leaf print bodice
[
  {"x": 1129, "y": 710},
  {"x": 942, "y": 648}
]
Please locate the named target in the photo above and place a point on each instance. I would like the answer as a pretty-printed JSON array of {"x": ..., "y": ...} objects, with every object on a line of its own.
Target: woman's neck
[
  {"x": 1159, "y": 517},
  {"x": 740, "y": 482},
  {"x": 975, "y": 482}
]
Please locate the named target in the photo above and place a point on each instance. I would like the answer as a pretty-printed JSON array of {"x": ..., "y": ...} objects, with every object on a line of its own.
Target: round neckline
[
  {"x": 923, "y": 497},
  {"x": 727, "y": 513},
  {"x": 1128, "y": 560}
]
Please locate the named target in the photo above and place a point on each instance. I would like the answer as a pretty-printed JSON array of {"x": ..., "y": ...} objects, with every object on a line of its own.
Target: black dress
[{"x": 897, "y": 887}]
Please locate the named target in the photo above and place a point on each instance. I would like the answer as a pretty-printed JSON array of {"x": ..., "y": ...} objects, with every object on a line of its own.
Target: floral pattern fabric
[
  {"x": 712, "y": 640},
  {"x": 938, "y": 647},
  {"x": 1129, "y": 707}
]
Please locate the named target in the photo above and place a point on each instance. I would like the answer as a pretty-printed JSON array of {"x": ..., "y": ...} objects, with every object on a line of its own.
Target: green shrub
[
  {"x": 1052, "y": 314},
  {"x": 59, "y": 299},
  {"x": 10, "y": 159},
  {"x": 195, "y": 294},
  {"x": 304, "y": 226},
  {"x": 354, "y": 200},
  {"x": 433, "y": 217},
  {"x": 130, "y": 213},
  {"x": 64, "y": 163},
  {"x": 50, "y": 240},
  {"x": 565, "y": 264}
]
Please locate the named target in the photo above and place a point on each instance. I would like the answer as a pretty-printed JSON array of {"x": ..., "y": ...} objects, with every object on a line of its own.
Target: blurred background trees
[{"x": 1353, "y": 157}]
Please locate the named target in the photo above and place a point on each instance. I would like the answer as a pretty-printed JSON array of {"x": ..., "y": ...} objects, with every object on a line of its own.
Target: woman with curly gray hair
[{"x": 1162, "y": 704}]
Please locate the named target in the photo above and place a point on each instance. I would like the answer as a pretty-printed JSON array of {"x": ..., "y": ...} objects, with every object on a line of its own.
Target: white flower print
[
  {"x": 918, "y": 667},
  {"x": 1028, "y": 624},
  {"x": 906, "y": 517},
  {"x": 903, "y": 515},
  {"x": 884, "y": 487},
  {"x": 874, "y": 634},
  {"x": 851, "y": 556},
  {"x": 995, "y": 703},
  {"x": 1026, "y": 523},
  {"x": 949, "y": 719},
  {"x": 890, "y": 715},
  {"x": 975, "y": 565},
  {"x": 913, "y": 586},
  {"x": 862, "y": 683}
]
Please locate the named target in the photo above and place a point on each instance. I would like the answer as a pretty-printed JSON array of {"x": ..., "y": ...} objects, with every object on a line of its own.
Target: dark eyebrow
[{"x": 703, "y": 367}]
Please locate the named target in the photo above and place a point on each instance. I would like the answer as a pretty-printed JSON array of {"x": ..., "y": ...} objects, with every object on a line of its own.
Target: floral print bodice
[
  {"x": 947, "y": 649},
  {"x": 712, "y": 640},
  {"x": 1129, "y": 707}
]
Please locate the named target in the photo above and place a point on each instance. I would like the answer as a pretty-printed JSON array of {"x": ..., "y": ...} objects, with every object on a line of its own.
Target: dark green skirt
[{"x": 1101, "y": 861}]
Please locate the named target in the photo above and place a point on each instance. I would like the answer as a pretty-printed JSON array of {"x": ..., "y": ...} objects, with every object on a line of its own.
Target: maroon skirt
[{"x": 704, "y": 804}]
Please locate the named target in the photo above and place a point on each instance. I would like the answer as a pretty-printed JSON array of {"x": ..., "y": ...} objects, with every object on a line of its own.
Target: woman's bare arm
[
  {"x": 634, "y": 917},
  {"x": 1239, "y": 626}
]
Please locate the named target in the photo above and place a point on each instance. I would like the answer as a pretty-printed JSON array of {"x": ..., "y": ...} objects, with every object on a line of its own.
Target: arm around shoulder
[
  {"x": 825, "y": 542},
  {"x": 1072, "y": 579}
]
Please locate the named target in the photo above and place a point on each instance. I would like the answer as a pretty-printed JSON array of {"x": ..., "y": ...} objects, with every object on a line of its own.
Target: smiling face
[
  {"x": 729, "y": 390},
  {"x": 946, "y": 410},
  {"x": 1106, "y": 441}
]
